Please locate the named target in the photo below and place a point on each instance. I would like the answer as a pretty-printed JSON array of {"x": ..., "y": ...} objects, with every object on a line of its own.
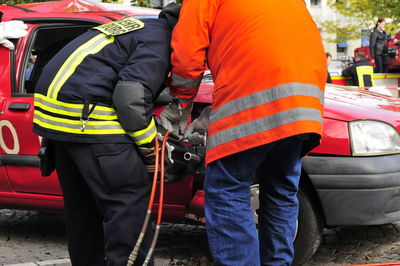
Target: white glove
[
  {"x": 196, "y": 132},
  {"x": 11, "y": 30},
  {"x": 174, "y": 117}
]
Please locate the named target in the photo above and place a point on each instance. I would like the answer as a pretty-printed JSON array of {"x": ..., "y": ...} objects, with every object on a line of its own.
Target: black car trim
[
  {"x": 99, "y": 11},
  {"x": 20, "y": 7},
  {"x": 341, "y": 173},
  {"x": 12, "y": 70},
  {"x": 19, "y": 160},
  {"x": 60, "y": 19}
]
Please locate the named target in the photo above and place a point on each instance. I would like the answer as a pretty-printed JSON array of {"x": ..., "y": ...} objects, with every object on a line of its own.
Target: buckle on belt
[
  {"x": 83, "y": 125},
  {"x": 86, "y": 113}
]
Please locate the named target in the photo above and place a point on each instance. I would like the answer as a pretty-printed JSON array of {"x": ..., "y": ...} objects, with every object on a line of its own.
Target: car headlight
[{"x": 369, "y": 137}]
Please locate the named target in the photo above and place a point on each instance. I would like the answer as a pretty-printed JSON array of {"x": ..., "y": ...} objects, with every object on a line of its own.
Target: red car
[{"x": 352, "y": 178}]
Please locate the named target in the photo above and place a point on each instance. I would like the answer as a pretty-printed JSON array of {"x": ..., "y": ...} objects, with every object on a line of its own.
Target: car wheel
[{"x": 309, "y": 225}]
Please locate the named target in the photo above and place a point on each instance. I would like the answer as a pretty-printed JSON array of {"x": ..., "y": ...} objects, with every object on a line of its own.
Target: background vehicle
[{"x": 352, "y": 178}]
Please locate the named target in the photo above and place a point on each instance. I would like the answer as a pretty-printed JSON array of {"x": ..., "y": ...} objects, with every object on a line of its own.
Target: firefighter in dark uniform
[
  {"x": 361, "y": 72},
  {"x": 94, "y": 103}
]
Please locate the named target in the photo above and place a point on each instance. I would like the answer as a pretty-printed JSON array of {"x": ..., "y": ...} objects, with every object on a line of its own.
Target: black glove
[
  {"x": 46, "y": 157},
  {"x": 173, "y": 168},
  {"x": 148, "y": 153}
]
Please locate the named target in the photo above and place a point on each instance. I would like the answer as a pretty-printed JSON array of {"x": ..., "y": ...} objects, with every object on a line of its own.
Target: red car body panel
[
  {"x": 68, "y": 6},
  {"x": 21, "y": 186}
]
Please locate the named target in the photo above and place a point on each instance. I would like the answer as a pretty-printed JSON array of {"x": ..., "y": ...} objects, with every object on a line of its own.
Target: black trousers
[
  {"x": 106, "y": 192},
  {"x": 381, "y": 63}
]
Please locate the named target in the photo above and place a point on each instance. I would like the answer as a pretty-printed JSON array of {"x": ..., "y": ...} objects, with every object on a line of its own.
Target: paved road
[{"x": 27, "y": 236}]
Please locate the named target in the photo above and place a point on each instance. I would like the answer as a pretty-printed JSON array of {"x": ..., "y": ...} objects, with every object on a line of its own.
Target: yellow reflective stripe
[
  {"x": 73, "y": 109},
  {"x": 72, "y": 105},
  {"x": 147, "y": 140},
  {"x": 146, "y": 135},
  {"x": 73, "y": 126},
  {"x": 92, "y": 46},
  {"x": 77, "y": 130},
  {"x": 76, "y": 122},
  {"x": 142, "y": 131},
  {"x": 363, "y": 71}
]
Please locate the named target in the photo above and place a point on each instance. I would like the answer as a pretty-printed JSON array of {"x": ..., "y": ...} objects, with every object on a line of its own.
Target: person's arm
[
  {"x": 347, "y": 72},
  {"x": 372, "y": 44},
  {"x": 140, "y": 81},
  {"x": 190, "y": 41}
]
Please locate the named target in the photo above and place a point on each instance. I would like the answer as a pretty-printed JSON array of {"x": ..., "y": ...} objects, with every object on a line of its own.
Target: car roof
[{"x": 81, "y": 7}]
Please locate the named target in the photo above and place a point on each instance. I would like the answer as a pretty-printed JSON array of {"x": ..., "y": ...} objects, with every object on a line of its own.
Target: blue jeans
[{"x": 231, "y": 230}]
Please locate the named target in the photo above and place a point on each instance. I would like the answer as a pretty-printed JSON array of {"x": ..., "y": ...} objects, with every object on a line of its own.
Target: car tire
[{"x": 309, "y": 227}]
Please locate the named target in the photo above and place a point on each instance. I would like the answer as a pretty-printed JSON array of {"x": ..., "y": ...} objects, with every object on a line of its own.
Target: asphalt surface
[{"x": 31, "y": 238}]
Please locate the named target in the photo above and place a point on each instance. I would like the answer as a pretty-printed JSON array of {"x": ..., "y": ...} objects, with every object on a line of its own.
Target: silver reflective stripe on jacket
[
  {"x": 73, "y": 109},
  {"x": 266, "y": 96},
  {"x": 178, "y": 81},
  {"x": 263, "y": 124}
]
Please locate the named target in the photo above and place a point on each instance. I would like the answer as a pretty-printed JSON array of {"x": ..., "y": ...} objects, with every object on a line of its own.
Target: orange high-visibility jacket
[{"x": 268, "y": 65}]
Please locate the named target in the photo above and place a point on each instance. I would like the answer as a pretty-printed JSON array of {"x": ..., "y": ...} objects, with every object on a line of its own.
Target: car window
[{"x": 45, "y": 42}]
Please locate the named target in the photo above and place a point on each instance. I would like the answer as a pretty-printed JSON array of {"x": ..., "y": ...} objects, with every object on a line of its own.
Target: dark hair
[
  {"x": 361, "y": 56},
  {"x": 328, "y": 55},
  {"x": 380, "y": 20}
]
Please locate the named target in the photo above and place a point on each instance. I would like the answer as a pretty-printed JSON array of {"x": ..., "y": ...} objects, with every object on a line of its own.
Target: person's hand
[
  {"x": 175, "y": 116},
  {"x": 196, "y": 132},
  {"x": 148, "y": 153},
  {"x": 173, "y": 169},
  {"x": 11, "y": 30},
  {"x": 373, "y": 61}
]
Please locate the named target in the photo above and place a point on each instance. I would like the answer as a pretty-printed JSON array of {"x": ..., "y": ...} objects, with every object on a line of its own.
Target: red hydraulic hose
[
  {"x": 161, "y": 201},
  {"x": 133, "y": 256}
]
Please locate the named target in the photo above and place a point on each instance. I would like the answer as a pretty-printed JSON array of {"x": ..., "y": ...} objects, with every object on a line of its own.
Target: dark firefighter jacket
[
  {"x": 100, "y": 87},
  {"x": 361, "y": 74}
]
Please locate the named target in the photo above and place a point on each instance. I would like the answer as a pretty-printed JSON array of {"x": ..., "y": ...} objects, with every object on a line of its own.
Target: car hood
[{"x": 347, "y": 104}]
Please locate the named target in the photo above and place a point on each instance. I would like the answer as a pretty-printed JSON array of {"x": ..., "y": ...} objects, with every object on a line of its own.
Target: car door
[{"x": 19, "y": 145}]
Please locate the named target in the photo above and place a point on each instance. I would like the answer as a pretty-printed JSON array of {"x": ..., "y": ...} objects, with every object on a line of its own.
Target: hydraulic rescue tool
[{"x": 178, "y": 158}]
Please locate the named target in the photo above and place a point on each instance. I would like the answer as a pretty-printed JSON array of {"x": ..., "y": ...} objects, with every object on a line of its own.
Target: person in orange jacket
[{"x": 266, "y": 114}]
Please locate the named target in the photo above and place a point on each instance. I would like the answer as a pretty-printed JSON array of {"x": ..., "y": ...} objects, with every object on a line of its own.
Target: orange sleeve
[{"x": 190, "y": 41}]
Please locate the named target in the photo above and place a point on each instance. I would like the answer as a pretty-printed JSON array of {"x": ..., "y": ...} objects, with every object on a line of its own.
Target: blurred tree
[
  {"x": 144, "y": 3},
  {"x": 360, "y": 14}
]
